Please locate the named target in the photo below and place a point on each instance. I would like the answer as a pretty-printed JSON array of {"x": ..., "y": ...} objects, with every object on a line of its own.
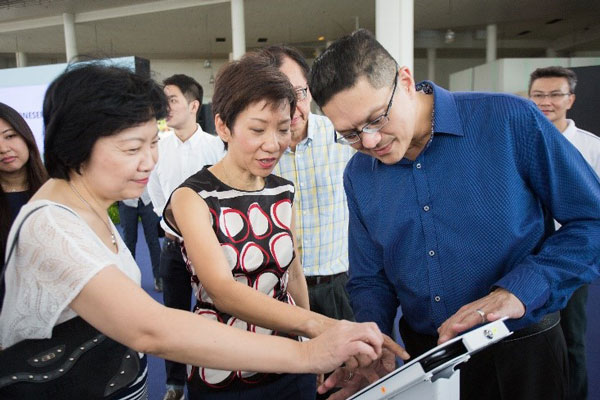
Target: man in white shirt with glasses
[{"x": 552, "y": 89}]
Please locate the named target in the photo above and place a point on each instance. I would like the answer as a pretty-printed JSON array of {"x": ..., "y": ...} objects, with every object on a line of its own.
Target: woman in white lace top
[{"x": 100, "y": 146}]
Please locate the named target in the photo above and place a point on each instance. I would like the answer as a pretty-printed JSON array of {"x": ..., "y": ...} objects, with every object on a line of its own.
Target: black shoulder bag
[{"x": 77, "y": 362}]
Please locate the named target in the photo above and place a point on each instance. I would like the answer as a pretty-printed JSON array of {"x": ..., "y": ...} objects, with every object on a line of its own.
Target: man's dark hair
[
  {"x": 190, "y": 88},
  {"x": 554, "y": 72},
  {"x": 251, "y": 79},
  {"x": 90, "y": 101},
  {"x": 346, "y": 60},
  {"x": 278, "y": 53}
]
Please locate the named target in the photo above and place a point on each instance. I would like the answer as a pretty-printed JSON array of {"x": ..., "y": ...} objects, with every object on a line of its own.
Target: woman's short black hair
[
  {"x": 251, "y": 79},
  {"x": 89, "y": 101}
]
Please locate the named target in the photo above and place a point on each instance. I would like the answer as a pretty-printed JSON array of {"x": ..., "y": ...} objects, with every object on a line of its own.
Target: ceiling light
[
  {"x": 449, "y": 36},
  {"x": 207, "y": 63},
  {"x": 321, "y": 38},
  {"x": 261, "y": 40}
]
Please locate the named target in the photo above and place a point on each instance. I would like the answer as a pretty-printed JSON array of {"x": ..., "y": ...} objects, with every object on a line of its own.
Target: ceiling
[{"x": 526, "y": 28}]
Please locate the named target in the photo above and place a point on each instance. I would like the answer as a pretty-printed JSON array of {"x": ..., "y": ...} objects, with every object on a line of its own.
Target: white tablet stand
[{"x": 433, "y": 375}]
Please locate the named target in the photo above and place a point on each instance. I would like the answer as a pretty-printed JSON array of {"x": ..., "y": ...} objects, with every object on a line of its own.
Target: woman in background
[
  {"x": 100, "y": 146},
  {"x": 21, "y": 171}
]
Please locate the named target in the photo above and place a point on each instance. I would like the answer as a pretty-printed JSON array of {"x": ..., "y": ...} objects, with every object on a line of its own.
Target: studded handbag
[{"x": 76, "y": 362}]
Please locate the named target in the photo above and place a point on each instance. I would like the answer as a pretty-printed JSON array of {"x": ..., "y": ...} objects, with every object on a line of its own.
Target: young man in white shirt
[
  {"x": 180, "y": 155},
  {"x": 552, "y": 89}
]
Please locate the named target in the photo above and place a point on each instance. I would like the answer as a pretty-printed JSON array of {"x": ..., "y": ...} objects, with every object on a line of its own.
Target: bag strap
[{"x": 16, "y": 237}]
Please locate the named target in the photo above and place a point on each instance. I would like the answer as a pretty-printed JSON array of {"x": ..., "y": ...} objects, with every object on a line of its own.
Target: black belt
[
  {"x": 547, "y": 322},
  {"x": 172, "y": 238},
  {"x": 318, "y": 279}
]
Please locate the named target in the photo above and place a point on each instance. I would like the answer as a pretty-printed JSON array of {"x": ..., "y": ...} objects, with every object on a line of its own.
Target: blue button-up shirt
[{"x": 471, "y": 213}]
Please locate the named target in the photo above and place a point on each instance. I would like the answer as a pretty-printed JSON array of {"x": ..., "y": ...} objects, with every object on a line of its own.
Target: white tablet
[{"x": 432, "y": 375}]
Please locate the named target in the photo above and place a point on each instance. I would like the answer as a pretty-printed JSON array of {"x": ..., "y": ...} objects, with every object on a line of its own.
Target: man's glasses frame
[
  {"x": 371, "y": 127},
  {"x": 301, "y": 93},
  {"x": 554, "y": 96}
]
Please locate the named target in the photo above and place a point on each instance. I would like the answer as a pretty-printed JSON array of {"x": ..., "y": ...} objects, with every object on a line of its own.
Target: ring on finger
[{"x": 482, "y": 315}]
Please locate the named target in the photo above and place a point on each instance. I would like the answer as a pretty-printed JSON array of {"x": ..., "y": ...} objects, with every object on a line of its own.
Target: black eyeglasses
[
  {"x": 301, "y": 93},
  {"x": 370, "y": 127}
]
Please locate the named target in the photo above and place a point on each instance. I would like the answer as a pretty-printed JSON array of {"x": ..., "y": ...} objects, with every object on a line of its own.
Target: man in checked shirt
[{"x": 315, "y": 163}]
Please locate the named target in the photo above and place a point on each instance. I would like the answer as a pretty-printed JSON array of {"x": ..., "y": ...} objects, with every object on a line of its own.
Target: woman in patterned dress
[{"x": 236, "y": 221}]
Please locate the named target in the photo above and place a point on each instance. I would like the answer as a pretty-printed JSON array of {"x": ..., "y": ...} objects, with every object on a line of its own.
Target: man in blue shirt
[{"x": 451, "y": 199}]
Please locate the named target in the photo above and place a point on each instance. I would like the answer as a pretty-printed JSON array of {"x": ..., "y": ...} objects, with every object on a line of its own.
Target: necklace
[
  {"x": 112, "y": 235},
  {"x": 13, "y": 189},
  {"x": 426, "y": 88}
]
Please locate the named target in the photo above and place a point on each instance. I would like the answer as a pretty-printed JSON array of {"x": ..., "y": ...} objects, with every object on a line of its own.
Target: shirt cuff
[{"x": 529, "y": 286}]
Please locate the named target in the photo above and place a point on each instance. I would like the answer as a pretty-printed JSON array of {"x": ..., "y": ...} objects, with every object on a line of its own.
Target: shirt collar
[
  {"x": 446, "y": 117},
  {"x": 570, "y": 127},
  {"x": 309, "y": 134},
  {"x": 311, "y": 127},
  {"x": 192, "y": 139}
]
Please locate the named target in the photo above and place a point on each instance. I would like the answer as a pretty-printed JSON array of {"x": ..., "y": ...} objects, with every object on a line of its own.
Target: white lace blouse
[{"x": 56, "y": 256}]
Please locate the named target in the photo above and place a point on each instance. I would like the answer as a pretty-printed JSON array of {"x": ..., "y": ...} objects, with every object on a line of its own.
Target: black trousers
[
  {"x": 177, "y": 293},
  {"x": 531, "y": 367},
  {"x": 573, "y": 321},
  {"x": 331, "y": 299}
]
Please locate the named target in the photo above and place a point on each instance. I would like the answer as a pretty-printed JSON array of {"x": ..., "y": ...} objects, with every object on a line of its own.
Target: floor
[{"x": 156, "y": 371}]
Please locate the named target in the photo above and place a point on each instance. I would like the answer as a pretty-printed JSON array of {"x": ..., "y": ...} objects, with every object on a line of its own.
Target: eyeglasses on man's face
[
  {"x": 553, "y": 96},
  {"x": 301, "y": 93},
  {"x": 374, "y": 126}
]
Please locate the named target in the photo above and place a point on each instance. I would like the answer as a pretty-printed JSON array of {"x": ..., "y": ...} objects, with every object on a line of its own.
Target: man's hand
[
  {"x": 358, "y": 372},
  {"x": 498, "y": 304}
]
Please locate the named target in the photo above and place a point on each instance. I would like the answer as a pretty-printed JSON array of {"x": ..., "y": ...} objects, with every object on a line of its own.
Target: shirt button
[
  {"x": 437, "y": 299},
  {"x": 426, "y": 208},
  {"x": 431, "y": 253},
  {"x": 418, "y": 165}
]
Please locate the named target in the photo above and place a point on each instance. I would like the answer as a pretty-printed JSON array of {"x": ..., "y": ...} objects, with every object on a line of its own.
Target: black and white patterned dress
[{"x": 253, "y": 228}]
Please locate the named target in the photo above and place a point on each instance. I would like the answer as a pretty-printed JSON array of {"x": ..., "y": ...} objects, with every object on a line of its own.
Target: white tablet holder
[{"x": 433, "y": 375}]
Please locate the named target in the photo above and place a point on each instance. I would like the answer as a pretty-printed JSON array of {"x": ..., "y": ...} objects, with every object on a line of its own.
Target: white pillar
[
  {"x": 70, "y": 41},
  {"x": 431, "y": 64},
  {"x": 238, "y": 31},
  {"x": 394, "y": 22},
  {"x": 21, "y": 58},
  {"x": 491, "y": 46}
]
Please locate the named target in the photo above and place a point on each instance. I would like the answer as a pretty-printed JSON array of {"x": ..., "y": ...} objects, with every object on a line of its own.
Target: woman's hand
[
  {"x": 360, "y": 371},
  {"x": 342, "y": 341}
]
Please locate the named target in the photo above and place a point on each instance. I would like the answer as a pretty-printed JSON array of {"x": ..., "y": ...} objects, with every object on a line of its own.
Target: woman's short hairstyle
[
  {"x": 36, "y": 173},
  {"x": 251, "y": 79},
  {"x": 89, "y": 101}
]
